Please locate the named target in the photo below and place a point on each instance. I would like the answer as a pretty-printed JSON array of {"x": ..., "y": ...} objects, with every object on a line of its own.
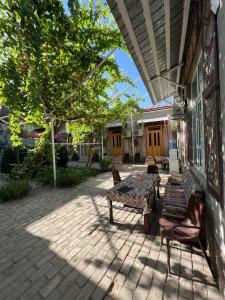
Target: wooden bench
[{"x": 177, "y": 197}]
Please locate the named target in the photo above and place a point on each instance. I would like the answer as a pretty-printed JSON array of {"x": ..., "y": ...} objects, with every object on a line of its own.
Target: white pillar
[
  {"x": 102, "y": 146},
  {"x": 132, "y": 136},
  {"x": 53, "y": 151}
]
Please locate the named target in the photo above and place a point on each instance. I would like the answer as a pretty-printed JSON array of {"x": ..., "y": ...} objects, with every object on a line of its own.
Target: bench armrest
[
  {"x": 187, "y": 226},
  {"x": 174, "y": 205}
]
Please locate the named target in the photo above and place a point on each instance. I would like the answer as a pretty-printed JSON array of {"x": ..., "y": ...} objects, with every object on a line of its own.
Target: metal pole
[
  {"x": 102, "y": 146},
  {"x": 126, "y": 88},
  {"x": 53, "y": 151},
  {"x": 132, "y": 135}
]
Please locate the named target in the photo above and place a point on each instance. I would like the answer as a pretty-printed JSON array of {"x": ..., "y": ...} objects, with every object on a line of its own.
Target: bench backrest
[
  {"x": 116, "y": 176},
  {"x": 195, "y": 211},
  {"x": 152, "y": 169},
  {"x": 191, "y": 186}
]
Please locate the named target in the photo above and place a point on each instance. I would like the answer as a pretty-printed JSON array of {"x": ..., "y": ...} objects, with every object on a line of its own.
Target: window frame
[{"x": 198, "y": 140}]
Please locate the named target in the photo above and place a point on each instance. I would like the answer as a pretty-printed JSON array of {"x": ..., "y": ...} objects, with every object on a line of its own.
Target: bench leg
[
  {"x": 153, "y": 206},
  {"x": 147, "y": 223},
  {"x": 110, "y": 212},
  {"x": 158, "y": 194},
  {"x": 168, "y": 254}
]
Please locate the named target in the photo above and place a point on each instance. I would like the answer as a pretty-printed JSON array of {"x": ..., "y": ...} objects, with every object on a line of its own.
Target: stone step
[
  {"x": 83, "y": 159},
  {"x": 149, "y": 160}
]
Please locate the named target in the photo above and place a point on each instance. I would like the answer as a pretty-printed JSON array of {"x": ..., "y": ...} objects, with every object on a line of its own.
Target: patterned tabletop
[{"x": 137, "y": 190}]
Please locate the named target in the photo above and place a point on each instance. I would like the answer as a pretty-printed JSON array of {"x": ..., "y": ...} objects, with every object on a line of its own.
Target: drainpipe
[{"x": 132, "y": 135}]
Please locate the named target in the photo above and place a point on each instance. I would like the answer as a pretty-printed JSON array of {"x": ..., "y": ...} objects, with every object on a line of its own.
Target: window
[
  {"x": 150, "y": 139},
  {"x": 197, "y": 119}
]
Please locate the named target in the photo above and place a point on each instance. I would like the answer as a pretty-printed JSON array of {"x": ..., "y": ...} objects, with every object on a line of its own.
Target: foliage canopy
[{"x": 46, "y": 56}]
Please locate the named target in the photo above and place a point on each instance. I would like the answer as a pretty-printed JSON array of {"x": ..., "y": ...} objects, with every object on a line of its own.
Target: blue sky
[{"x": 128, "y": 66}]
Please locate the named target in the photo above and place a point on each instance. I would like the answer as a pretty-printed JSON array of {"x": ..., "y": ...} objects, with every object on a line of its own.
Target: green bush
[
  {"x": 14, "y": 189},
  {"x": 38, "y": 156},
  {"x": 45, "y": 175},
  {"x": 65, "y": 177},
  {"x": 105, "y": 163},
  {"x": 9, "y": 159},
  {"x": 62, "y": 156}
]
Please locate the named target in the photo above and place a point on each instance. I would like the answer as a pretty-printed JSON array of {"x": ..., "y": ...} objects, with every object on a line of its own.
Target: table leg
[
  {"x": 158, "y": 194},
  {"x": 147, "y": 223},
  {"x": 153, "y": 206},
  {"x": 110, "y": 212}
]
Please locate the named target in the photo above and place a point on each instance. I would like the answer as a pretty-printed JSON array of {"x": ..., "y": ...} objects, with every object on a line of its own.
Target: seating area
[
  {"x": 183, "y": 214},
  {"x": 177, "y": 197},
  {"x": 160, "y": 161}
]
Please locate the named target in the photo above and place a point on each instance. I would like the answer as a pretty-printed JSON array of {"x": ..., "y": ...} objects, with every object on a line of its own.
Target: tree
[
  {"x": 92, "y": 131},
  {"x": 46, "y": 56}
]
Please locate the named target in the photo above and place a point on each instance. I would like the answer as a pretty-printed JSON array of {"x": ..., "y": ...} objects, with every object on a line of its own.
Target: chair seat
[{"x": 180, "y": 233}]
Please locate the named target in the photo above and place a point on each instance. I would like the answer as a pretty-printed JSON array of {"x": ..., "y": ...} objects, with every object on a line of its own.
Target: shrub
[
  {"x": 14, "y": 189},
  {"x": 65, "y": 177},
  {"x": 62, "y": 156},
  {"x": 105, "y": 163},
  {"x": 38, "y": 156},
  {"x": 9, "y": 159},
  {"x": 45, "y": 175}
]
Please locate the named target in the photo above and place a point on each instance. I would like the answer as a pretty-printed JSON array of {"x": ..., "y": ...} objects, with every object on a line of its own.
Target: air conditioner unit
[
  {"x": 138, "y": 132},
  {"x": 126, "y": 133}
]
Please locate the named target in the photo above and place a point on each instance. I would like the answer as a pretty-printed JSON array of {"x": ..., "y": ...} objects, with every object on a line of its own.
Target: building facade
[
  {"x": 143, "y": 136},
  {"x": 179, "y": 49},
  {"x": 204, "y": 75}
]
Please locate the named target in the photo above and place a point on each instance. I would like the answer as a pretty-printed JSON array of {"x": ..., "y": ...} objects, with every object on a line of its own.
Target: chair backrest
[
  {"x": 191, "y": 186},
  {"x": 152, "y": 169},
  {"x": 116, "y": 176},
  {"x": 195, "y": 211}
]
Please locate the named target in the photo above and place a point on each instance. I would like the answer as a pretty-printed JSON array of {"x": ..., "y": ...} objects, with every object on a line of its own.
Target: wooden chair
[
  {"x": 153, "y": 169},
  {"x": 176, "y": 197},
  {"x": 116, "y": 176},
  {"x": 188, "y": 230}
]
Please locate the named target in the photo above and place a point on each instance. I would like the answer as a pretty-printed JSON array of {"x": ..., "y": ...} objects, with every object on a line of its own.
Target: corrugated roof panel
[
  {"x": 153, "y": 120},
  {"x": 145, "y": 60}
]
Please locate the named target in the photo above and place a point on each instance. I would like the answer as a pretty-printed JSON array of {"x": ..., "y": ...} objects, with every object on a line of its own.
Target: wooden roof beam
[
  {"x": 126, "y": 19},
  {"x": 183, "y": 35},
  {"x": 151, "y": 35}
]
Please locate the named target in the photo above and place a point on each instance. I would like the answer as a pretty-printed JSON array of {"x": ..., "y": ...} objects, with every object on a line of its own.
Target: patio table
[{"x": 137, "y": 191}]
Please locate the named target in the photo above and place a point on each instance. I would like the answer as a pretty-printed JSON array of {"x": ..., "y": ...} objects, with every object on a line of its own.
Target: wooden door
[
  {"x": 116, "y": 144},
  {"x": 154, "y": 141}
]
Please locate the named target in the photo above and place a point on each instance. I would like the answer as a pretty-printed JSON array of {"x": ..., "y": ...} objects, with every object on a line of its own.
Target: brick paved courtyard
[{"x": 58, "y": 244}]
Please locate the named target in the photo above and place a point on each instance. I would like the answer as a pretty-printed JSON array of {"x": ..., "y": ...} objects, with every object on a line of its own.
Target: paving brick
[
  {"x": 71, "y": 293},
  {"x": 58, "y": 244},
  {"x": 68, "y": 281},
  {"x": 34, "y": 289},
  {"x": 40, "y": 272},
  {"x": 46, "y": 290},
  {"x": 18, "y": 291}
]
